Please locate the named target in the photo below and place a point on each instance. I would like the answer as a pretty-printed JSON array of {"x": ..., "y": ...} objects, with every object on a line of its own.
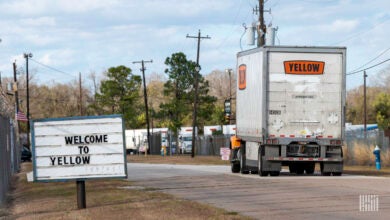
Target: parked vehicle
[
  {"x": 185, "y": 140},
  {"x": 26, "y": 154},
  {"x": 290, "y": 110}
]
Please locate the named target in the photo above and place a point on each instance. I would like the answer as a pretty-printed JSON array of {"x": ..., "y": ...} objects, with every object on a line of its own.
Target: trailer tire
[
  {"x": 292, "y": 168},
  {"x": 260, "y": 163},
  {"x": 337, "y": 173},
  {"x": 310, "y": 168},
  {"x": 300, "y": 169},
  {"x": 274, "y": 173},
  {"x": 243, "y": 168},
  {"x": 235, "y": 167}
]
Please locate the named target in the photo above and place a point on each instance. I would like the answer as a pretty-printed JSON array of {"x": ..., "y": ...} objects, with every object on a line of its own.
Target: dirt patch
[{"x": 106, "y": 199}]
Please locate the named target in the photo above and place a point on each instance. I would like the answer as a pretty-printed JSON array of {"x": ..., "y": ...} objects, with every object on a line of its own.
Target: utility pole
[
  {"x": 365, "y": 106},
  {"x": 197, "y": 69},
  {"x": 261, "y": 28},
  {"x": 229, "y": 71},
  {"x": 145, "y": 98},
  {"x": 15, "y": 88},
  {"x": 28, "y": 55},
  {"x": 80, "y": 96}
]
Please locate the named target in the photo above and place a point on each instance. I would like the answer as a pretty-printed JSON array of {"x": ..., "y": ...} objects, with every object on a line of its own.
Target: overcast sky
[{"x": 92, "y": 35}]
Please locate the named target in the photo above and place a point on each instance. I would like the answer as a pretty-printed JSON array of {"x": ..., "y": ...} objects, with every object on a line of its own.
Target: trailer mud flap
[
  {"x": 268, "y": 165},
  {"x": 331, "y": 167}
]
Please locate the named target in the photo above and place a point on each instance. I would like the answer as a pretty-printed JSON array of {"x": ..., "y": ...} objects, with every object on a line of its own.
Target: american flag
[{"x": 20, "y": 116}]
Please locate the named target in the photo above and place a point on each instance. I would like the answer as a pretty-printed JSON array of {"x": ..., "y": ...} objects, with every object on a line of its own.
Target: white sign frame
[{"x": 78, "y": 148}]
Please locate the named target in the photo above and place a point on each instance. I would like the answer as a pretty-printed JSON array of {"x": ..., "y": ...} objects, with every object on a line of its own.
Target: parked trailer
[
  {"x": 229, "y": 129},
  {"x": 290, "y": 110},
  {"x": 185, "y": 139},
  {"x": 211, "y": 129},
  {"x": 135, "y": 138}
]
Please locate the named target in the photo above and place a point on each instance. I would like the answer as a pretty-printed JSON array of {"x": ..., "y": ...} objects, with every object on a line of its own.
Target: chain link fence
[
  {"x": 359, "y": 147},
  {"x": 9, "y": 155},
  {"x": 211, "y": 144}
]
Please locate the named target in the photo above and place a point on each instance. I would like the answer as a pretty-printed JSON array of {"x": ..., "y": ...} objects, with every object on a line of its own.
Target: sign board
[
  {"x": 304, "y": 67},
  {"x": 225, "y": 153},
  {"x": 78, "y": 148}
]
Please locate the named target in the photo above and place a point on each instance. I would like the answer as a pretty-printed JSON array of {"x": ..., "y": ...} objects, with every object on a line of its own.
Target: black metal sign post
[{"x": 81, "y": 198}]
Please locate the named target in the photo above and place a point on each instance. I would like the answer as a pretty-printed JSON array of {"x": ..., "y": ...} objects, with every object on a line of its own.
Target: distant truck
[
  {"x": 211, "y": 130},
  {"x": 185, "y": 139},
  {"x": 290, "y": 110},
  {"x": 135, "y": 138},
  {"x": 229, "y": 130}
]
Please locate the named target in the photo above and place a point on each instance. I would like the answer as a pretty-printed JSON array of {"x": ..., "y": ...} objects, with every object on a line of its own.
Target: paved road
[{"x": 283, "y": 197}]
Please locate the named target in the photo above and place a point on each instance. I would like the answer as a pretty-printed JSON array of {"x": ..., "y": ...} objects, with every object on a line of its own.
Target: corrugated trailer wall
[
  {"x": 302, "y": 105},
  {"x": 250, "y": 95},
  {"x": 273, "y": 102}
]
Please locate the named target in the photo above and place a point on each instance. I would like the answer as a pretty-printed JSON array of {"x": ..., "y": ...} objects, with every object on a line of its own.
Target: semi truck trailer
[{"x": 290, "y": 110}]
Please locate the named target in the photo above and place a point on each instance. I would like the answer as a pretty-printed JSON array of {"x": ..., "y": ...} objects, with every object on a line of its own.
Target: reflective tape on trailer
[{"x": 304, "y": 159}]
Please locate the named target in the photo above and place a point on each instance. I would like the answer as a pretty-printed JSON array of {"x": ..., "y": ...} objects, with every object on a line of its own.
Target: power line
[
  {"x": 52, "y": 68},
  {"x": 372, "y": 59},
  {"x": 231, "y": 32},
  {"x": 362, "y": 32},
  {"x": 368, "y": 67}
]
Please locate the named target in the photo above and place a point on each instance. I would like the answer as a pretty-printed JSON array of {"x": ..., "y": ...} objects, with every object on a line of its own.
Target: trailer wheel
[
  {"x": 292, "y": 168},
  {"x": 235, "y": 167},
  {"x": 274, "y": 173},
  {"x": 243, "y": 168},
  {"x": 300, "y": 169},
  {"x": 310, "y": 168},
  {"x": 260, "y": 163},
  {"x": 337, "y": 173}
]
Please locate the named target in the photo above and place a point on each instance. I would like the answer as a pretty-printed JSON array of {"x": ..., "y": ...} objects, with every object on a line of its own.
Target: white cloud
[
  {"x": 58, "y": 58},
  {"x": 40, "y": 21},
  {"x": 342, "y": 25},
  {"x": 84, "y": 35}
]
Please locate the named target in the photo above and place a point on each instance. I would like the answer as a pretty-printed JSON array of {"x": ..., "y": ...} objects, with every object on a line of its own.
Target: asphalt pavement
[{"x": 284, "y": 197}]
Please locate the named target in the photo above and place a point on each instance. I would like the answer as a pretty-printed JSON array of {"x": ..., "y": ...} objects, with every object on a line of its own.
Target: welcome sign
[{"x": 78, "y": 148}]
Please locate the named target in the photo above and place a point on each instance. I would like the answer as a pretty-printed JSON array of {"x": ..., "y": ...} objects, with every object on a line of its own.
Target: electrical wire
[
  {"x": 372, "y": 60},
  {"x": 230, "y": 34},
  {"x": 52, "y": 68},
  {"x": 362, "y": 32},
  {"x": 368, "y": 67}
]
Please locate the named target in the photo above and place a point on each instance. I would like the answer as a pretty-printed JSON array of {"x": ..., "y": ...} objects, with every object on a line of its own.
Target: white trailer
[
  {"x": 210, "y": 129},
  {"x": 185, "y": 139},
  {"x": 135, "y": 139},
  {"x": 290, "y": 110},
  {"x": 229, "y": 129}
]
